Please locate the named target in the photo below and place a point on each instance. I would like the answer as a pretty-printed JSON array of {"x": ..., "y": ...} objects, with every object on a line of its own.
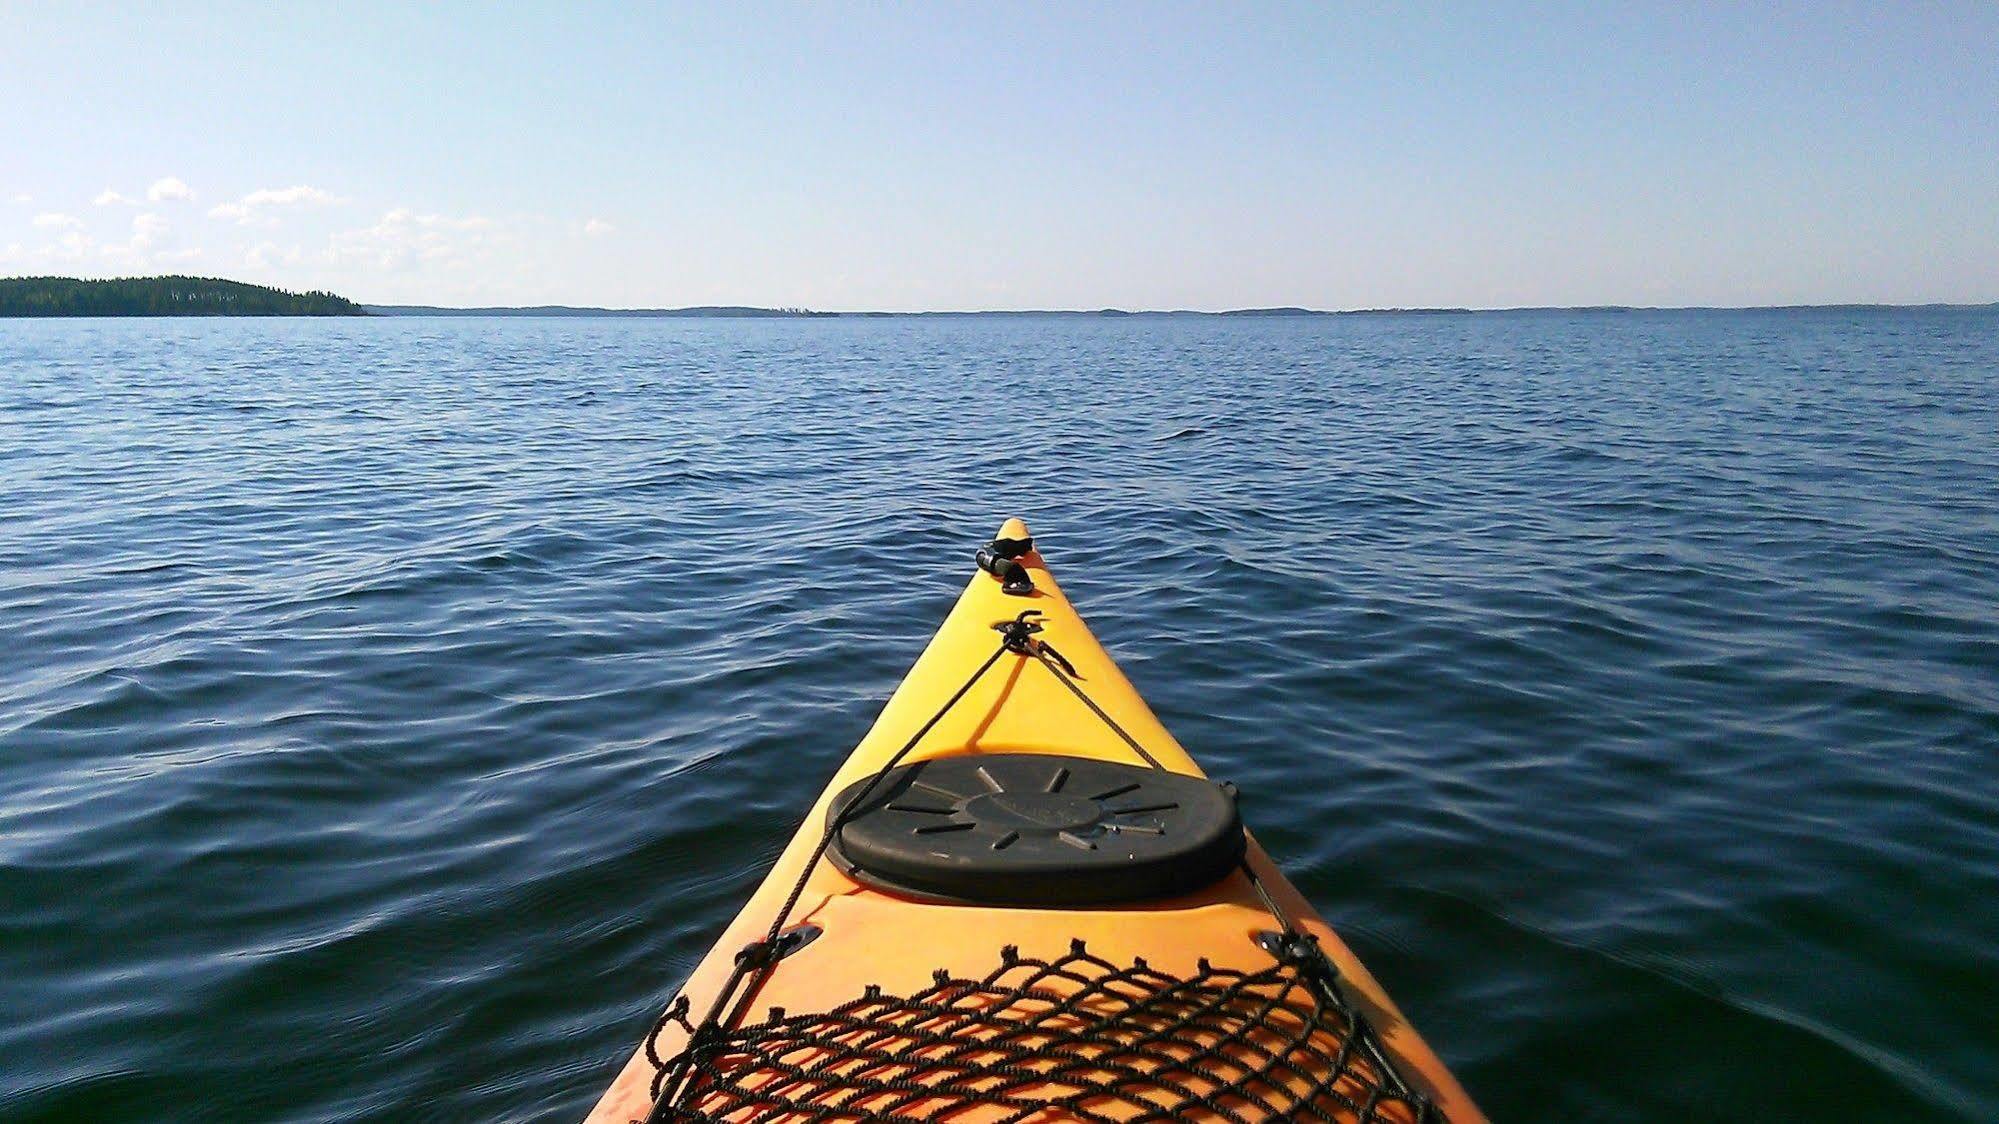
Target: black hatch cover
[{"x": 1038, "y": 829}]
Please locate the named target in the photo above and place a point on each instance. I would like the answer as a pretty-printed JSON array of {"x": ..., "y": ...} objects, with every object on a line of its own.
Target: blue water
[{"x": 392, "y": 710}]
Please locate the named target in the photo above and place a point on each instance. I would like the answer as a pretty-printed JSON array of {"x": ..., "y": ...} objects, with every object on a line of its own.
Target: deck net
[{"x": 1073, "y": 1038}]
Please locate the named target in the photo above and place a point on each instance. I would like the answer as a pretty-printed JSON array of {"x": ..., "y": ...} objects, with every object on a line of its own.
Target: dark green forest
[{"x": 161, "y": 296}]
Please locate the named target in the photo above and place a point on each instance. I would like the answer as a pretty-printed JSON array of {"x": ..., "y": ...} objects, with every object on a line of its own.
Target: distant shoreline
[
  {"x": 745, "y": 312},
  {"x": 38, "y": 297}
]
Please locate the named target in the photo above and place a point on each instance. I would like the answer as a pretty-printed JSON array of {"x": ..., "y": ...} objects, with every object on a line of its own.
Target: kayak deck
[{"x": 879, "y": 1003}]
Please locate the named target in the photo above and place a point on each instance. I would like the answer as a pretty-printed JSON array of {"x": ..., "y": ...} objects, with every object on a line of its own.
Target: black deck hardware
[
  {"x": 1037, "y": 829},
  {"x": 1011, "y": 548},
  {"x": 1013, "y": 576}
]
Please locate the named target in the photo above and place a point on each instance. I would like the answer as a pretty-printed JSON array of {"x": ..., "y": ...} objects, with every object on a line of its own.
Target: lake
[{"x": 393, "y": 710}]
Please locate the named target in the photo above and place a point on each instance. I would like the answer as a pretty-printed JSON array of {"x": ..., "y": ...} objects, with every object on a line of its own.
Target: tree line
[{"x": 162, "y": 296}]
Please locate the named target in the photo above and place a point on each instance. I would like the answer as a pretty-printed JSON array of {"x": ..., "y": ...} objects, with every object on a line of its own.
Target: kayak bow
[{"x": 1021, "y": 900}]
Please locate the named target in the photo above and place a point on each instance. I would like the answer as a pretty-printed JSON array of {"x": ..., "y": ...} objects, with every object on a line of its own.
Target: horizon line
[
  {"x": 795, "y": 311},
  {"x": 783, "y": 312}
]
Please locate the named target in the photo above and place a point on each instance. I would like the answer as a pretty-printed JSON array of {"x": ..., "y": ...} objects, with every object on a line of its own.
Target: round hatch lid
[{"x": 1037, "y": 829}]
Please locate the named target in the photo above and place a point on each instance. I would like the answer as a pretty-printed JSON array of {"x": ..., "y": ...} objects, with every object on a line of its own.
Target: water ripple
[{"x": 393, "y": 710}]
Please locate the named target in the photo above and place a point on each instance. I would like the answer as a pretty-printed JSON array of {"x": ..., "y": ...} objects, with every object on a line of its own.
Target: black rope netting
[{"x": 1077, "y": 1038}]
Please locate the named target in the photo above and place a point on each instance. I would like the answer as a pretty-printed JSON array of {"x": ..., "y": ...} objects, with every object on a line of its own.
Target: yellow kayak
[{"x": 1021, "y": 900}]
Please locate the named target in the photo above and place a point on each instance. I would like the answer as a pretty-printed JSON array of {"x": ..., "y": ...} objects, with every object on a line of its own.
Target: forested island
[{"x": 162, "y": 296}]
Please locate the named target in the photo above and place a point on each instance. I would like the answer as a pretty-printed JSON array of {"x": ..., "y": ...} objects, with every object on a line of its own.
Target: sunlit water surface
[{"x": 392, "y": 711}]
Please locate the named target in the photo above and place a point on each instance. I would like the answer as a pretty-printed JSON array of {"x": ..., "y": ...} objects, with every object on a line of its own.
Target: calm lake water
[{"x": 391, "y": 711}]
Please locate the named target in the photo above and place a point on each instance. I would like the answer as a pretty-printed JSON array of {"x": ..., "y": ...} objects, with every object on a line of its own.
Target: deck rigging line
[{"x": 1100, "y": 1041}]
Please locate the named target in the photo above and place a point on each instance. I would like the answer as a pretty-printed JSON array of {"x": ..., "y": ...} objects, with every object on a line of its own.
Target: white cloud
[
  {"x": 110, "y": 198},
  {"x": 146, "y": 230},
  {"x": 149, "y": 247},
  {"x": 22, "y": 199},
  {"x": 412, "y": 241},
  {"x": 597, "y": 228},
  {"x": 143, "y": 249},
  {"x": 251, "y": 207},
  {"x": 73, "y": 246},
  {"x": 405, "y": 237},
  {"x": 168, "y": 189},
  {"x": 265, "y": 255}
]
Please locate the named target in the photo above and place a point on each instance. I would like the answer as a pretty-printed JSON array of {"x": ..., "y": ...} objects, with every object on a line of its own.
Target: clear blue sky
[{"x": 1136, "y": 155}]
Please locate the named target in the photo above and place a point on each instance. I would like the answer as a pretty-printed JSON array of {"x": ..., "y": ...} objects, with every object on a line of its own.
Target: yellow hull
[{"x": 870, "y": 937}]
